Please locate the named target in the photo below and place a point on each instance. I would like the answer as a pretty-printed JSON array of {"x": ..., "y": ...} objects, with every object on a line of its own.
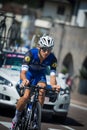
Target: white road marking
[
  {"x": 78, "y": 106},
  {"x": 6, "y": 124},
  {"x": 69, "y": 128},
  {"x": 53, "y": 129}
]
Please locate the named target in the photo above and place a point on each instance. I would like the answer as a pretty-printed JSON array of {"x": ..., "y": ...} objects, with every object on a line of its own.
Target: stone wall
[{"x": 70, "y": 39}]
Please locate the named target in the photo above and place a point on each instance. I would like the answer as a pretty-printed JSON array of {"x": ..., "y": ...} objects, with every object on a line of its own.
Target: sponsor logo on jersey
[
  {"x": 27, "y": 58},
  {"x": 54, "y": 65}
]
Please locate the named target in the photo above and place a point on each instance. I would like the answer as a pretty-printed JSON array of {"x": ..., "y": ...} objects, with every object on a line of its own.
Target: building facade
[{"x": 69, "y": 30}]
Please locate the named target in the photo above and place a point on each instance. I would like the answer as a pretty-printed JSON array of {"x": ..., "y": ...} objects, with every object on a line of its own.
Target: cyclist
[{"x": 33, "y": 72}]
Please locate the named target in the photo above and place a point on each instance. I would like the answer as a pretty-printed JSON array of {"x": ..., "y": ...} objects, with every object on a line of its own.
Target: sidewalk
[{"x": 79, "y": 99}]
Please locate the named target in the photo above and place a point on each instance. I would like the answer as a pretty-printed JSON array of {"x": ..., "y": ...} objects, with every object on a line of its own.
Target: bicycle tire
[
  {"x": 2, "y": 31},
  {"x": 29, "y": 122},
  {"x": 2, "y": 36},
  {"x": 23, "y": 120},
  {"x": 13, "y": 32},
  {"x": 38, "y": 108},
  {"x": 11, "y": 36}
]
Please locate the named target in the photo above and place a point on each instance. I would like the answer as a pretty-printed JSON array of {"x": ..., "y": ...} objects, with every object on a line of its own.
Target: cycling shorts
[{"x": 35, "y": 77}]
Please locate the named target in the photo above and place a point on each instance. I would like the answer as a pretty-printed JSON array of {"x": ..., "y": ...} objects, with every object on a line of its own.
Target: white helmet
[{"x": 46, "y": 41}]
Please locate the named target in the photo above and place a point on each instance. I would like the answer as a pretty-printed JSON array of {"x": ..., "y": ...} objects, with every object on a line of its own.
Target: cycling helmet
[{"x": 46, "y": 41}]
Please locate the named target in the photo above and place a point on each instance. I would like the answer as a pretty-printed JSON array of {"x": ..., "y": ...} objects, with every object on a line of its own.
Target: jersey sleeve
[
  {"x": 26, "y": 61},
  {"x": 53, "y": 66},
  {"x": 27, "y": 58}
]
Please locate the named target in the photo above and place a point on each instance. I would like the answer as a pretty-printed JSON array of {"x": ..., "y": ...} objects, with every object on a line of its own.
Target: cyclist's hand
[
  {"x": 25, "y": 82},
  {"x": 56, "y": 87}
]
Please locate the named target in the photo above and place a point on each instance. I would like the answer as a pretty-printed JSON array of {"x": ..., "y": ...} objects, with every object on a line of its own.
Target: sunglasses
[{"x": 46, "y": 49}]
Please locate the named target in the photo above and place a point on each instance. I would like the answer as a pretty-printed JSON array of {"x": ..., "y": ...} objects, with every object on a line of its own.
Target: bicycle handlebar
[{"x": 37, "y": 87}]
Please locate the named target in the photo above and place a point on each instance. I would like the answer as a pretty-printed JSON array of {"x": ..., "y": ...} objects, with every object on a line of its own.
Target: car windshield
[{"x": 13, "y": 61}]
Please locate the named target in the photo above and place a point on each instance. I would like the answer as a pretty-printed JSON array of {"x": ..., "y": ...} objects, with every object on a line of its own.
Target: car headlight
[
  {"x": 64, "y": 91},
  {"x": 67, "y": 91}
]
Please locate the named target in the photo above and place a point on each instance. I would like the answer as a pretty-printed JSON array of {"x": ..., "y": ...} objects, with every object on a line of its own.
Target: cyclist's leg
[
  {"x": 42, "y": 92},
  {"x": 20, "y": 105},
  {"x": 19, "y": 108},
  {"x": 23, "y": 100},
  {"x": 40, "y": 79}
]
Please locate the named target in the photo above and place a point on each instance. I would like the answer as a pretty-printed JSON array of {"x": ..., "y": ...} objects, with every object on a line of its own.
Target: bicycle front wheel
[{"x": 37, "y": 113}]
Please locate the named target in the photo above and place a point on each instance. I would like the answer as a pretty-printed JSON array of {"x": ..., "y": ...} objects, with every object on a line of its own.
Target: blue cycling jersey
[
  {"x": 32, "y": 60},
  {"x": 36, "y": 69}
]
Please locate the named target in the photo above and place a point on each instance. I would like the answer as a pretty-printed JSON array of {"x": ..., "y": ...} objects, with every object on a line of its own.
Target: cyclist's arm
[
  {"x": 25, "y": 81},
  {"x": 53, "y": 71},
  {"x": 53, "y": 81},
  {"x": 24, "y": 68}
]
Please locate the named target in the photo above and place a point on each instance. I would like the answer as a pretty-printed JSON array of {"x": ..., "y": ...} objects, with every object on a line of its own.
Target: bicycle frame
[
  {"x": 32, "y": 107},
  {"x": 28, "y": 115}
]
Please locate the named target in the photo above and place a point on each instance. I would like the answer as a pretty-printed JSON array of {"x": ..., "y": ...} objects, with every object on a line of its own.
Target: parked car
[
  {"x": 8, "y": 90},
  {"x": 9, "y": 77},
  {"x": 58, "y": 104},
  {"x": 12, "y": 60}
]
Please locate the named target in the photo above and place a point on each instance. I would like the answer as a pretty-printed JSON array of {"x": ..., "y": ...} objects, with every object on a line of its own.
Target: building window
[{"x": 61, "y": 10}]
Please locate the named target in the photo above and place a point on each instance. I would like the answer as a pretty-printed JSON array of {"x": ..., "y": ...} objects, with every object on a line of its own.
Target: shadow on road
[
  {"x": 72, "y": 122},
  {"x": 46, "y": 118},
  {"x": 58, "y": 120},
  {"x": 7, "y": 111}
]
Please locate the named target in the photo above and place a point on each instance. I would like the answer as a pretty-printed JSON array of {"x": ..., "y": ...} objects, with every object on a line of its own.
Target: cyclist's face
[{"x": 44, "y": 52}]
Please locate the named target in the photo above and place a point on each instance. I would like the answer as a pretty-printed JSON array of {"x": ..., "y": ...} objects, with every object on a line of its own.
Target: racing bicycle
[
  {"x": 13, "y": 32},
  {"x": 8, "y": 36},
  {"x": 2, "y": 29},
  {"x": 32, "y": 111}
]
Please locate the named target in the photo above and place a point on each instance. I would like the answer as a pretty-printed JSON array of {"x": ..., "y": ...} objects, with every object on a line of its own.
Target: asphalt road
[{"x": 76, "y": 119}]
